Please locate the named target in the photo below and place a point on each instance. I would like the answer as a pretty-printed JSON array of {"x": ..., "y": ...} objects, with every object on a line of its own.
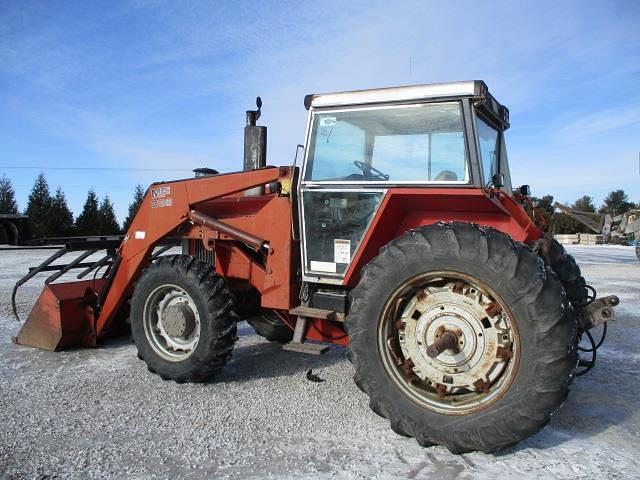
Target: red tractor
[{"x": 400, "y": 237}]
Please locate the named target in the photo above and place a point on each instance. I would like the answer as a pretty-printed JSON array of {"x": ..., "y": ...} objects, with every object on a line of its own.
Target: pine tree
[
  {"x": 88, "y": 222},
  {"x": 545, "y": 204},
  {"x": 138, "y": 196},
  {"x": 38, "y": 207},
  {"x": 107, "y": 218},
  {"x": 60, "y": 217},
  {"x": 585, "y": 204},
  {"x": 8, "y": 202},
  {"x": 616, "y": 203},
  {"x": 544, "y": 208}
]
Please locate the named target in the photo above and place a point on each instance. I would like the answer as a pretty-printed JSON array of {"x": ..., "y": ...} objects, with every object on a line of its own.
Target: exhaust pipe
[{"x": 255, "y": 146}]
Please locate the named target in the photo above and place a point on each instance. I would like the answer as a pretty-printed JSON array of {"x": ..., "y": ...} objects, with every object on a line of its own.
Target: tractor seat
[{"x": 446, "y": 176}]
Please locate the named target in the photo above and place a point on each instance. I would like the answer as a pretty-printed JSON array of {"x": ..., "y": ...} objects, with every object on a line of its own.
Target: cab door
[{"x": 353, "y": 156}]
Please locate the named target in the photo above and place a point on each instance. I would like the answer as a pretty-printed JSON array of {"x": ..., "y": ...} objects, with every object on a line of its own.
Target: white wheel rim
[
  {"x": 170, "y": 346},
  {"x": 482, "y": 366}
]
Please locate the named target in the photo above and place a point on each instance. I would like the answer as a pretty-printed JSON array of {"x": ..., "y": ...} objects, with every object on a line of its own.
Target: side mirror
[
  {"x": 298, "y": 148},
  {"x": 498, "y": 180},
  {"x": 525, "y": 190},
  {"x": 258, "y": 103}
]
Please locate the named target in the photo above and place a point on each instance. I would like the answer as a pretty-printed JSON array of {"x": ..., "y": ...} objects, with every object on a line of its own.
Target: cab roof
[{"x": 411, "y": 93}]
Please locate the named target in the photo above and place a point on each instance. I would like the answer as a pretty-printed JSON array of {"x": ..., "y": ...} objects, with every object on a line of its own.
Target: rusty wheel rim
[{"x": 449, "y": 342}]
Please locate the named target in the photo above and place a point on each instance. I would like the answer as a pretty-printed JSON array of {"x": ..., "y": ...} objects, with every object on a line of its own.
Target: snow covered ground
[{"x": 100, "y": 413}]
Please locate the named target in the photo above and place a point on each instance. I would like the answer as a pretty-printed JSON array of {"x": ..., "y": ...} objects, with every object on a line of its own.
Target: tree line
[{"x": 50, "y": 216}]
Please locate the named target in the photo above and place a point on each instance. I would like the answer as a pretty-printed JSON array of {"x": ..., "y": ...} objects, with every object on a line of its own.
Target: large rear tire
[
  {"x": 568, "y": 271},
  {"x": 182, "y": 319},
  {"x": 508, "y": 370}
]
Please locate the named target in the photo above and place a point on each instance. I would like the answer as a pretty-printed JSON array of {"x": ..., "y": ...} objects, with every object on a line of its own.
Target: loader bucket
[{"x": 63, "y": 317}]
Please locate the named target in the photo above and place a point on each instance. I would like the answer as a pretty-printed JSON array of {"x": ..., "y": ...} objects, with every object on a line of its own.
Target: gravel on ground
[{"x": 98, "y": 413}]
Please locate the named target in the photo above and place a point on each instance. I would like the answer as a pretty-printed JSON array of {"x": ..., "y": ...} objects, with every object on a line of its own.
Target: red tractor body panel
[
  {"x": 165, "y": 209},
  {"x": 269, "y": 217},
  {"x": 405, "y": 208}
]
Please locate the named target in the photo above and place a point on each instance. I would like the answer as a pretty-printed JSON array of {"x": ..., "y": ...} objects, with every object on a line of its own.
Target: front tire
[
  {"x": 182, "y": 319},
  {"x": 512, "y": 361},
  {"x": 269, "y": 326}
]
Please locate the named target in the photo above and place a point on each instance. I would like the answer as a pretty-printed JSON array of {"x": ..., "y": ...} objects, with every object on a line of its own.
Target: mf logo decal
[{"x": 161, "y": 197}]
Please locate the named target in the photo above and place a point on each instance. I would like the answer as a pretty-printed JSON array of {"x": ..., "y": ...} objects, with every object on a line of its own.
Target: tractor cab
[{"x": 361, "y": 144}]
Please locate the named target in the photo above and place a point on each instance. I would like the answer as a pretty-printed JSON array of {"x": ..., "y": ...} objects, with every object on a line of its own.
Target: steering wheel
[{"x": 373, "y": 172}]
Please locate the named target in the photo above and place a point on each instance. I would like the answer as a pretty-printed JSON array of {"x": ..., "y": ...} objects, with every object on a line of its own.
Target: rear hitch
[{"x": 597, "y": 312}]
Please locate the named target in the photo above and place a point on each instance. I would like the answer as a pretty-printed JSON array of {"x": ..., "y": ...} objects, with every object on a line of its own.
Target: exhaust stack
[{"x": 255, "y": 146}]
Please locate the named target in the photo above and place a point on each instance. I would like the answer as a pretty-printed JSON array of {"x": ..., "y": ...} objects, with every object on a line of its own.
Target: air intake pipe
[{"x": 255, "y": 146}]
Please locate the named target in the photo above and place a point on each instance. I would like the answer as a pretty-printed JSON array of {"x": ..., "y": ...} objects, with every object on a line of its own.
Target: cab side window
[{"x": 489, "y": 148}]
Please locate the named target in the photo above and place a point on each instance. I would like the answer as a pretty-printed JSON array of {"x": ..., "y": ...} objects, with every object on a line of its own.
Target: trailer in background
[{"x": 14, "y": 229}]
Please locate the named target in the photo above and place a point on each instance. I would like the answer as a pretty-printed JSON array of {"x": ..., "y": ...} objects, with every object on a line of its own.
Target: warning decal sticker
[
  {"x": 341, "y": 250},
  {"x": 328, "y": 267}
]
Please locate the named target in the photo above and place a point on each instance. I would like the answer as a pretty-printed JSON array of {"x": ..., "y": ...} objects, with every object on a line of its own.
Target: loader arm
[{"x": 165, "y": 207}]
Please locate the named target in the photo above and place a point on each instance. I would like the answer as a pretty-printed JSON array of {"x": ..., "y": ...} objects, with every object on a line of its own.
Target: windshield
[{"x": 400, "y": 144}]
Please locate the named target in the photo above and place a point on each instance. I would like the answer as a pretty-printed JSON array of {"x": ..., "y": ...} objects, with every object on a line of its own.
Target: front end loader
[{"x": 400, "y": 237}]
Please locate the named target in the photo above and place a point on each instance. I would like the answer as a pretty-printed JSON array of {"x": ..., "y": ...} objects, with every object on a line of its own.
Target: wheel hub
[
  {"x": 172, "y": 322},
  {"x": 446, "y": 339},
  {"x": 455, "y": 343},
  {"x": 178, "y": 320}
]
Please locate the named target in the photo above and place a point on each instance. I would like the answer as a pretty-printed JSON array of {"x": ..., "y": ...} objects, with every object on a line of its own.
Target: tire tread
[
  {"x": 218, "y": 327},
  {"x": 534, "y": 284}
]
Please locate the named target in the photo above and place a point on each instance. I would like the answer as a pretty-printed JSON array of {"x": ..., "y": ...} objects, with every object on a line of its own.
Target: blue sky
[{"x": 164, "y": 85}]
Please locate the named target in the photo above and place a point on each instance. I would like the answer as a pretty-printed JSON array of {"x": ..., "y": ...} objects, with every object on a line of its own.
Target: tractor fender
[{"x": 404, "y": 209}]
